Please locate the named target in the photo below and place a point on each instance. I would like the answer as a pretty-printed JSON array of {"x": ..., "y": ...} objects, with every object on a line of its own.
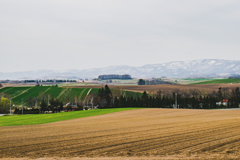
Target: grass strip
[{"x": 32, "y": 119}]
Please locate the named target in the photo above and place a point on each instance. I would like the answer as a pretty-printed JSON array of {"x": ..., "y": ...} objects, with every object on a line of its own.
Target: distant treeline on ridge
[{"x": 114, "y": 76}]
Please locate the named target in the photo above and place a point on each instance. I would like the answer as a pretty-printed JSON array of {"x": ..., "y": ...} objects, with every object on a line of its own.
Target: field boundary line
[
  {"x": 87, "y": 94},
  {"x": 60, "y": 94},
  {"x": 45, "y": 91},
  {"x": 80, "y": 96},
  {"x": 7, "y": 89},
  {"x": 22, "y": 92}
]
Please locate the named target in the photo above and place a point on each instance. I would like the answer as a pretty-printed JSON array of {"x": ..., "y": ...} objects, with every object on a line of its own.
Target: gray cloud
[{"x": 75, "y": 34}]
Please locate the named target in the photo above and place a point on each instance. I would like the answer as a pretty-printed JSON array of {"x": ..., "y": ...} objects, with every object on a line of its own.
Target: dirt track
[
  {"x": 167, "y": 87},
  {"x": 138, "y": 134}
]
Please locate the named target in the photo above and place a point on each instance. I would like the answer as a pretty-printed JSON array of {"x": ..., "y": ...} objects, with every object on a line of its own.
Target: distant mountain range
[{"x": 177, "y": 69}]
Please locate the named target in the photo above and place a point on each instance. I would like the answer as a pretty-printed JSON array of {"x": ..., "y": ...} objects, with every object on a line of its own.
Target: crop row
[{"x": 19, "y": 93}]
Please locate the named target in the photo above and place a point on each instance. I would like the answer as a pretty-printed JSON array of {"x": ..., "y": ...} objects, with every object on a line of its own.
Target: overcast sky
[{"x": 81, "y": 34}]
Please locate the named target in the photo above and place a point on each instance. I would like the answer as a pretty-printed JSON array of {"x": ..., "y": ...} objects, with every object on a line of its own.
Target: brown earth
[
  {"x": 167, "y": 87},
  {"x": 134, "y": 134}
]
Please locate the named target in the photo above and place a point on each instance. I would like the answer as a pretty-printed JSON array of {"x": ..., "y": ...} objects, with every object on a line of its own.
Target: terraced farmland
[
  {"x": 15, "y": 91},
  {"x": 139, "y": 134},
  {"x": 32, "y": 91},
  {"x": 18, "y": 93}
]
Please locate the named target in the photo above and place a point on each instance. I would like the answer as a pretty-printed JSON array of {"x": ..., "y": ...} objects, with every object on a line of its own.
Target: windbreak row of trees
[
  {"x": 106, "y": 99},
  {"x": 153, "y": 81}
]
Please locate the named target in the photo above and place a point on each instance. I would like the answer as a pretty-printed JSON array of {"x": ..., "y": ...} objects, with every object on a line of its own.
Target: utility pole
[
  {"x": 176, "y": 100},
  {"x": 22, "y": 106},
  {"x": 10, "y": 106}
]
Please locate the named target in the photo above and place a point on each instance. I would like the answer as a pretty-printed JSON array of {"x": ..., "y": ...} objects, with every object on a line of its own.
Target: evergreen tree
[
  {"x": 61, "y": 106},
  {"x": 116, "y": 102},
  {"x": 107, "y": 90},
  {"x": 141, "y": 82},
  {"x": 122, "y": 102},
  {"x": 43, "y": 105}
]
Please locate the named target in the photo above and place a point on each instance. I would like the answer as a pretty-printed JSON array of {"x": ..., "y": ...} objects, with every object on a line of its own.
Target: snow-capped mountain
[{"x": 177, "y": 69}]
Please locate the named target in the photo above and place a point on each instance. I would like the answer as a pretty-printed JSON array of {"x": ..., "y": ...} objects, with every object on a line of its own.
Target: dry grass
[{"x": 136, "y": 134}]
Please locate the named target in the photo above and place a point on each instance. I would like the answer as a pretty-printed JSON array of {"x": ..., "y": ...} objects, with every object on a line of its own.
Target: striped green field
[
  {"x": 31, "y": 91},
  {"x": 54, "y": 91},
  {"x": 79, "y": 92},
  {"x": 15, "y": 91},
  {"x": 19, "y": 93}
]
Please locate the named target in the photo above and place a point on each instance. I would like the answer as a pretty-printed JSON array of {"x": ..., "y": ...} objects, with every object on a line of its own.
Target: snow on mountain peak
[{"x": 177, "y": 69}]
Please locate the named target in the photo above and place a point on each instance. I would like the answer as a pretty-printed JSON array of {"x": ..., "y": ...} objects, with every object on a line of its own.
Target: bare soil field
[
  {"x": 167, "y": 87},
  {"x": 134, "y": 134}
]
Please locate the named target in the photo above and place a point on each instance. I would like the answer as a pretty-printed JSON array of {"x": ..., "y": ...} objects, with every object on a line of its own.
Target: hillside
[{"x": 19, "y": 93}]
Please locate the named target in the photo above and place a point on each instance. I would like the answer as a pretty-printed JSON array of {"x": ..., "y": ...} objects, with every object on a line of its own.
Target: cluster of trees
[
  {"x": 59, "y": 80},
  {"x": 54, "y": 106},
  {"x": 106, "y": 99},
  {"x": 153, "y": 81},
  {"x": 4, "y": 103},
  {"x": 68, "y": 80},
  {"x": 29, "y": 81},
  {"x": 46, "y": 104},
  {"x": 141, "y": 82}
]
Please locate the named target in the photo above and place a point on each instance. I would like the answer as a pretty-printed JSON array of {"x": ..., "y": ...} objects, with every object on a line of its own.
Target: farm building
[{"x": 223, "y": 102}]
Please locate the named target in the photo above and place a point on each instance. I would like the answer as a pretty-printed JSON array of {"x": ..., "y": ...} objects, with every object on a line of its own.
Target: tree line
[{"x": 106, "y": 99}]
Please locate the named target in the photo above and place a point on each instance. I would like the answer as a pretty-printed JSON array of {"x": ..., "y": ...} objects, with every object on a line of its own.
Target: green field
[
  {"x": 14, "y": 91},
  {"x": 19, "y": 93},
  {"x": 54, "y": 117},
  {"x": 215, "y": 81},
  {"x": 32, "y": 91}
]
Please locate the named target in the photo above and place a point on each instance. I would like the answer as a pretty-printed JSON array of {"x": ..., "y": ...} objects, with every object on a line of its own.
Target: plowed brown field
[
  {"x": 137, "y": 134},
  {"x": 167, "y": 87}
]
